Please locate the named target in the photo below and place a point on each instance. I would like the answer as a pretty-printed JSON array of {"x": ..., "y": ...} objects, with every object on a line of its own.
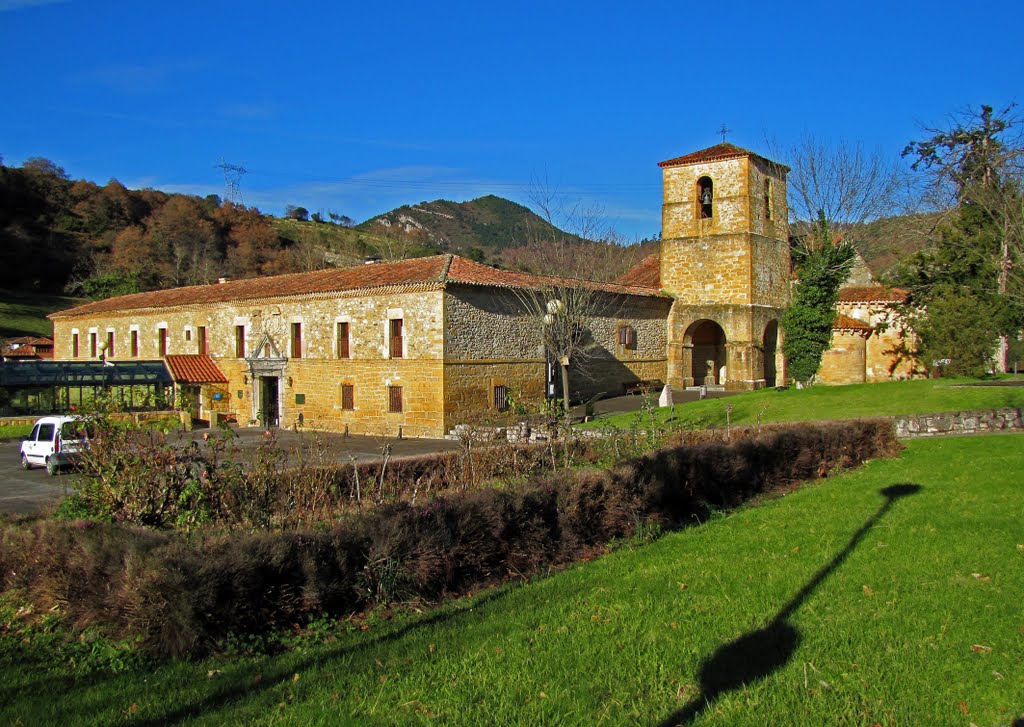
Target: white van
[{"x": 55, "y": 442}]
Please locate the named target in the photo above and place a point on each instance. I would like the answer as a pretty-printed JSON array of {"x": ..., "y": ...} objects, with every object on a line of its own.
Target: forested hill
[{"x": 59, "y": 235}]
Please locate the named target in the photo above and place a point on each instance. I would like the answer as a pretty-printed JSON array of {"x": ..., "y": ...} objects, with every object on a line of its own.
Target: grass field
[
  {"x": 24, "y": 314},
  {"x": 848, "y": 601},
  {"x": 925, "y": 396}
]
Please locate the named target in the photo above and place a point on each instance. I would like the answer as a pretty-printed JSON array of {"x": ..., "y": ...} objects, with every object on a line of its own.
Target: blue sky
[{"x": 358, "y": 108}]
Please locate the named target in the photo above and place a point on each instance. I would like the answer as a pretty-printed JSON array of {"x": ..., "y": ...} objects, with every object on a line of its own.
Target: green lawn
[
  {"x": 24, "y": 314},
  {"x": 836, "y": 604},
  {"x": 926, "y": 396}
]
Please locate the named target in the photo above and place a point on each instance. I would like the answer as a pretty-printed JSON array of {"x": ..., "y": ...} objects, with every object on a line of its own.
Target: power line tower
[{"x": 232, "y": 178}]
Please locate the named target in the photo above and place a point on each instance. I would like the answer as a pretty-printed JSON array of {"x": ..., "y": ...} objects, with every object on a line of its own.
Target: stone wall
[
  {"x": 960, "y": 422},
  {"x": 490, "y": 341},
  {"x": 309, "y": 384}
]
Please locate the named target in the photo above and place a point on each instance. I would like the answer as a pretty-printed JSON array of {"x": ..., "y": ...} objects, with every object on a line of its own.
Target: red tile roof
[
  {"x": 872, "y": 294},
  {"x": 849, "y": 324},
  {"x": 646, "y": 273},
  {"x": 716, "y": 153},
  {"x": 418, "y": 273},
  {"x": 195, "y": 369}
]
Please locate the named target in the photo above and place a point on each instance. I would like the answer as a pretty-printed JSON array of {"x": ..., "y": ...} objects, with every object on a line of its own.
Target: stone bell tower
[{"x": 725, "y": 260}]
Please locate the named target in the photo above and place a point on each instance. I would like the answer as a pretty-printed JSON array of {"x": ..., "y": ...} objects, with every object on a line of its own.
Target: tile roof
[
  {"x": 872, "y": 294},
  {"x": 417, "y": 273},
  {"x": 716, "y": 153},
  {"x": 194, "y": 369},
  {"x": 847, "y": 323},
  {"x": 646, "y": 273}
]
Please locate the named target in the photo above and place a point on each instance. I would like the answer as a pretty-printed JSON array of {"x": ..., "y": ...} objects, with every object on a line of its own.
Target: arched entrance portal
[
  {"x": 770, "y": 346},
  {"x": 707, "y": 342}
]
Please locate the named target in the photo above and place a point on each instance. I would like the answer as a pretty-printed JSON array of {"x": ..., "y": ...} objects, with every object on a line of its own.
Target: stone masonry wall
[
  {"x": 309, "y": 384},
  {"x": 959, "y": 422},
  {"x": 489, "y": 342}
]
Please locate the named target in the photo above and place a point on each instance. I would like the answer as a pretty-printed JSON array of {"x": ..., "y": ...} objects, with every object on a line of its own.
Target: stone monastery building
[{"x": 424, "y": 344}]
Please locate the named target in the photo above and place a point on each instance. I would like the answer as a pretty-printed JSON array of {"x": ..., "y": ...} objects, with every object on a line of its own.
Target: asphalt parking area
[{"x": 31, "y": 491}]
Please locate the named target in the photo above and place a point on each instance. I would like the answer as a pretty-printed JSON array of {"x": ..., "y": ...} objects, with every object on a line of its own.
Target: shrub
[{"x": 181, "y": 592}]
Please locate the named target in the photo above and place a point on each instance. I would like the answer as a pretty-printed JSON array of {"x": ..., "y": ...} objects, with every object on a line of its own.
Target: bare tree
[
  {"x": 563, "y": 307},
  {"x": 843, "y": 182}
]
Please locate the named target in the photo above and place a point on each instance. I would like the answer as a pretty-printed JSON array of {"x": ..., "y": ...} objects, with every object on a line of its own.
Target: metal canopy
[{"x": 83, "y": 373}]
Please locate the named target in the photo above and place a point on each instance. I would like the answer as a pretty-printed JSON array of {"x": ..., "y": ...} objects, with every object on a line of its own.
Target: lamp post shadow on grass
[{"x": 757, "y": 654}]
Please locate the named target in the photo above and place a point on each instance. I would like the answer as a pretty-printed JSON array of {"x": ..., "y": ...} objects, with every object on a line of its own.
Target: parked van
[{"x": 55, "y": 443}]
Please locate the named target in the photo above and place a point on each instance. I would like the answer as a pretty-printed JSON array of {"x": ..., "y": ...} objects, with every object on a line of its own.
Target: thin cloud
[
  {"x": 135, "y": 77},
  {"x": 10, "y": 5}
]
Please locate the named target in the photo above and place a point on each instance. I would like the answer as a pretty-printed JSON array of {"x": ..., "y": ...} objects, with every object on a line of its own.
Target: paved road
[{"x": 26, "y": 492}]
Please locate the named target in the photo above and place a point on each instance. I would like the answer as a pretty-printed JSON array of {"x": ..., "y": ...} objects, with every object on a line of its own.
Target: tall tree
[
  {"x": 823, "y": 265},
  {"x": 975, "y": 175}
]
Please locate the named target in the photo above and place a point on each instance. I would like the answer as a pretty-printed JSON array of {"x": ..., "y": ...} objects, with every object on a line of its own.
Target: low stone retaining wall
[{"x": 959, "y": 422}]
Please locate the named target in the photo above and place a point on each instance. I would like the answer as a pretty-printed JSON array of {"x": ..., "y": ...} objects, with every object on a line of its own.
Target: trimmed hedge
[{"x": 180, "y": 593}]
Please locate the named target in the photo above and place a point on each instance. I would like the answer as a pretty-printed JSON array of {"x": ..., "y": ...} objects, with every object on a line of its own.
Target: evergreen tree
[{"x": 823, "y": 264}]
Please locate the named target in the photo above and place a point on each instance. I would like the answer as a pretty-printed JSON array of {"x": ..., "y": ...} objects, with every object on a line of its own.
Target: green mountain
[{"x": 480, "y": 229}]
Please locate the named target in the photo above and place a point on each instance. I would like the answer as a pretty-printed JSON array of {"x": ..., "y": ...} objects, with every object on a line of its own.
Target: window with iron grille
[
  {"x": 348, "y": 396},
  {"x": 501, "y": 397},
  {"x": 240, "y": 341},
  {"x": 296, "y": 340},
  {"x": 395, "y": 399},
  {"x": 396, "y": 338},
  {"x": 343, "y": 351},
  {"x": 135, "y": 344}
]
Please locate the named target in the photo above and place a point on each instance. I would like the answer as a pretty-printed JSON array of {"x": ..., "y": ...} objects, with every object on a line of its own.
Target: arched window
[{"x": 705, "y": 197}]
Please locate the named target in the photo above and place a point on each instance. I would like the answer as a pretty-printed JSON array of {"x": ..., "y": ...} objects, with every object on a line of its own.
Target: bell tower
[{"x": 725, "y": 260}]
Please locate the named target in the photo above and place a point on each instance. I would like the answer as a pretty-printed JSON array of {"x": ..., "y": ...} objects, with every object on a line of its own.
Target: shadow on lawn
[{"x": 757, "y": 654}]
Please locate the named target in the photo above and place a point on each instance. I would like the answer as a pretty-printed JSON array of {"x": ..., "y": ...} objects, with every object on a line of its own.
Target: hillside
[{"x": 480, "y": 229}]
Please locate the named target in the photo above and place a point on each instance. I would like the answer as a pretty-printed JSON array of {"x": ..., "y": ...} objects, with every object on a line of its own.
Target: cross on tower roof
[{"x": 723, "y": 131}]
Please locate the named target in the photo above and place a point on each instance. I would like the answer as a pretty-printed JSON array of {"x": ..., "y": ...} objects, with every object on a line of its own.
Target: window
[
  {"x": 296, "y": 340},
  {"x": 74, "y": 345},
  {"x": 109, "y": 353},
  {"x": 135, "y": 344},
  {"x": 396, "y": 338},
  {"x": 92, "y": 344},
  {"x": 343, "y": 350},
  {"x": 767, "y": 199},
  {"x": 348, "y": 397},
  {"x": 501, "y": 397},
  {"x": 161, "y": 342},
  {"x": 627, "y": 338},
  {"x": 240, "y": 341},
  {"x": 201, "y": 341},
  {"x": 188, "y": 334},
  {"x": 705, "y": 198},
  {"x": 395, "y": 399}
]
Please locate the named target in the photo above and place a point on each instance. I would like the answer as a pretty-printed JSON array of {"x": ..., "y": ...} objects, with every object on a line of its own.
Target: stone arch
[
  {"x": 706, "y": 343},
  {"x": 770, "y": 346}
]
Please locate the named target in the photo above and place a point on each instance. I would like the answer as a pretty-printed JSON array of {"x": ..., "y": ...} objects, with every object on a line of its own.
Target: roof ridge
[{"x": 447, "y": 266}]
